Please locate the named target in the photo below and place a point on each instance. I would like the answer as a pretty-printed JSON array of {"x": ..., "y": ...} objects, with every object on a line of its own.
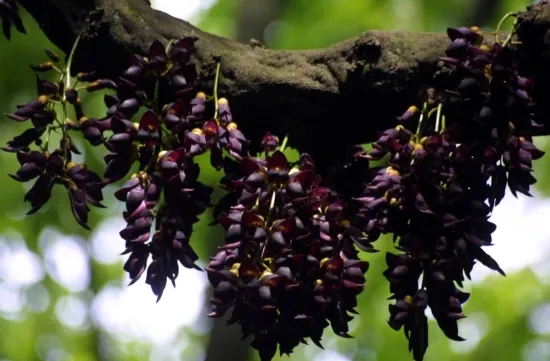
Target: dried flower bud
[
  {"x": 52, "y": 55},
  {"x": 101, "y": 84},
  {"x": 42, "y": 66}
]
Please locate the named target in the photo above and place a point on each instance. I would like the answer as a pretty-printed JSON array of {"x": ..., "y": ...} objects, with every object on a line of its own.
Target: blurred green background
[{"x": 63, "y": 294}]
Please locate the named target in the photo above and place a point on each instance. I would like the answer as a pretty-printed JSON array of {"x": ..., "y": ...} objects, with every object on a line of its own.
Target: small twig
[
  {"x": 156, "y": 95},
  {"x": 283, "y": 145},
  {"x": 272, "y": 202},
  {"x": 510, "y": 35},
  {"x": 69, "y": 63},
  {"x": 56, "y": 68},
  {"x": 500, "y": 23},
  {"x": 438, "y": 117},
  {"x": 216, "y": 81},
  {"x": 419, "y": 127},
  {"x": 67, "y": 75}
]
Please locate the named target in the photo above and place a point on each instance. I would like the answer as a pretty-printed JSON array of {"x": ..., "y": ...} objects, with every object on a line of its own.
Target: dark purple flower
[
  {"x": 9, "y": 12},
  {"x": 269, "y": 142}
]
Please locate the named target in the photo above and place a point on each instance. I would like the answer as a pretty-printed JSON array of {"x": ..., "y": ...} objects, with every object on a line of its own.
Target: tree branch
[{"x": 342, "y": 94}]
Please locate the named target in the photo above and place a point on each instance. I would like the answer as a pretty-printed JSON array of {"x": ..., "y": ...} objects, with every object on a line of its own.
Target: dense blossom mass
[
  {"x": 290, "y": 265},
  {"x": 440, "y": 184}
]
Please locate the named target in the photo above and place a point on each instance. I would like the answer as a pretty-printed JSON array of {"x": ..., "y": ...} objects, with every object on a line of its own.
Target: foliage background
[{"x": 63, "y": 295}]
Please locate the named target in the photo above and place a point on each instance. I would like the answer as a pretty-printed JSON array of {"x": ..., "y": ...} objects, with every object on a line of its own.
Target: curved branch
[{"x": 343, "y": 94}]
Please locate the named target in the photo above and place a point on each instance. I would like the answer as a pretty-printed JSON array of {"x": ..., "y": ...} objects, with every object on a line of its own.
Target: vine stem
[
  {"x": 51, "y": 128},
  {"x": 272, "y": 201},
  {"x": 419, "y": 127},
  {"x": 47, "y": 142},
  {"x": 283, "y": 145},
  {"x": 157, "y": 110},
  {"x": 64, "y": 131},
  {"x": 438, "y": 117},
  {"x": 499, "y": 25},
  {"x": 216, "y": 81},
  {"x": 58, "y": 69},
  {"x": 156, "y": 95},
  {"x": 510, "y": 35},
  {"x": 68, "y": 66}
]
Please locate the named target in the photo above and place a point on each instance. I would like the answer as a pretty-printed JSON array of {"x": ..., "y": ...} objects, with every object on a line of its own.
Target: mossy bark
[{"x": 342, "y": 94}]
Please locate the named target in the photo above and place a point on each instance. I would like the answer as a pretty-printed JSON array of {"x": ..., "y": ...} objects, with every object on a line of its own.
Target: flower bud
[
  {"x": 48, "y": 65},
  {"x": 52, "y": 55},
  {"x": 269, "y": 142}
]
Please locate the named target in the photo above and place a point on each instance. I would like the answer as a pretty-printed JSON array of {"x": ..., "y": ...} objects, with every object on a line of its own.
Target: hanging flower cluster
[
  {"x": 289, "y": 266},
  {"x": 441, "y": 183}
]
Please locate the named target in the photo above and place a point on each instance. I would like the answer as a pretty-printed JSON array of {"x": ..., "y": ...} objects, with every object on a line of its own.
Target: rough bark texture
[{"x": 340, "y": 95}]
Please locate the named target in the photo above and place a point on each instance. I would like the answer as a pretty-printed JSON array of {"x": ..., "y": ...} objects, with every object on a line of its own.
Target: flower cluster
[
  {"x": 502, "y": 127},
  {"x": 84, "y": 186},
  {"x": 440, "y": 223},
  {"x": 165, "y": 192},
  {"x": 437, "y": 191},
  {"x": 152, "y": 144},
  {"x": 289, "y": 266}
]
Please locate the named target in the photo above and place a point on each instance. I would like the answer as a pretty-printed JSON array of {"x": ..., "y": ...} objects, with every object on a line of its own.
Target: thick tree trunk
[{"x": 325, "y": 99}]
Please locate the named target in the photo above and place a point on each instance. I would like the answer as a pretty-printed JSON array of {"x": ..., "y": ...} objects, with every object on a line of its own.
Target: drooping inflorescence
[
  {"x": 290, "y": 264},
  {"x": 441, "y": 182}
]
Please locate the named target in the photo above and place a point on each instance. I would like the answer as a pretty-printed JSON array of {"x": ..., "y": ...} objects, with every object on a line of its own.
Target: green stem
[
  {"x": 484, "y": 32},
  {"x": 510, "y": 35},
  {"x": 169, "y": 46},
  {"x": 69, "y": 63},
  {"x": 271, "y": 206},
  {"x": 156, "y": 95},
  {"x": 272, "y": 203},
  {"x": 58, "y": 69},
  {"x": 500, "y": 23},
  {"x": 438, "y": 117},
  {"x": 419, "y": 127},
  {"x": 268, "y": 220},
  {"x": 431, "y": 112},
  {"x": 156, "y": 107},
  {"x": 51, "y": 128},
  {"x": 283, "y": 145},
  {"x": 45, "y": 146},
  {"x": 66, "y": 142},
  {"x": 216, "y": 81}
]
